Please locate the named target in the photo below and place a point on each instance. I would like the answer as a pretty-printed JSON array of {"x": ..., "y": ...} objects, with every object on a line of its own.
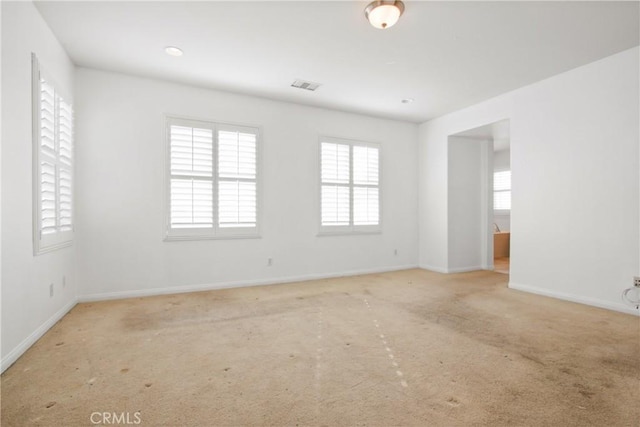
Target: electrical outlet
[
  {"x": 636, "y": 282},
  {"x": 51, "y": 290},
  {"x": 395, "y": 252},
  {"x": 269, "y": 262}
]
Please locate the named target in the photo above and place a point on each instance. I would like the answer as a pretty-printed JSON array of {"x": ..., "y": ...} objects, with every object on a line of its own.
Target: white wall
[
  {"x": 501, "y": 162},
  {"x": 27, "y": 309},
  {"x": 466, "y": 192},
  {"x": 1, "y": 357},
  {"x": 120, "y": 173},
  {"x": 575, "y": 161}
]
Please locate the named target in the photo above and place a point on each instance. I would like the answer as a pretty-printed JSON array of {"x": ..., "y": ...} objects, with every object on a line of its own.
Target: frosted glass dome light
[{"x": 384, "y": 14}]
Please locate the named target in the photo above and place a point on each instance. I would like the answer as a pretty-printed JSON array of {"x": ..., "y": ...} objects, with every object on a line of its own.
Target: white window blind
[
  {"x": 53, "y": 164},
  {"x": 349, "y": 195},
  {"x": 502, "y": 190},
  {"x": 212, "y": 180}
]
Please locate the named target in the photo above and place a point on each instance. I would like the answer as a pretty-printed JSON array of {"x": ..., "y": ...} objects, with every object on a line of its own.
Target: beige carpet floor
[{"x": 402, "y": 348}]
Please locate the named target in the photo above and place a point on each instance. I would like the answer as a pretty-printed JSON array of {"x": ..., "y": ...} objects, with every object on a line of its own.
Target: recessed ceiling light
[
  {"x": 408, "y": 100},
  {"x": 173, "y": 51}
]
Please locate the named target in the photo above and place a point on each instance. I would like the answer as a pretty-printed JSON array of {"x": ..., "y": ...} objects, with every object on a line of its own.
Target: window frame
[
  {"x": 351, "y": 229},
  {"x": 44, "y": 243},
  {"x": 500, "y": 212},
  {"x": 215, "y": 232}
]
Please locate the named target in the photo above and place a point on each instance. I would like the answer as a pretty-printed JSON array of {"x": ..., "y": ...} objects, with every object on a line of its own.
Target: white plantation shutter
[
  {"x": 191, "y": 203},
  {"x": 65, "y": 165},
  {"x": 335, "y": 175},
  {"x": 335, "y": 205},
  {"x": 191, "y": 151},
  {"x": 65, "y": 211},
  {"x": 349, "y": 196},
  {"x": 237, "y": 198},
  {"x": 502, "y": 190},
  {"x": 48, "y": 192},
  {"x": 191, "y": 192},
  {"x": 53, "y": 164},
  {"x": 212, "y": 180},
  {"x": 335, "y": 163},
  {"x": 365, "y": 190},
  {"x": 48, "y": 199},
  {"x": 365, "y": 206},
  {"x": 47, "y": 119}
]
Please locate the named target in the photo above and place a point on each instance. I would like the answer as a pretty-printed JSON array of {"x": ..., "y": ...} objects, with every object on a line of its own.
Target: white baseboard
[
  {"x": 453, "y": 270},
  {"x": 19, "y": 350},
  {"x": 621, "y": 307},
  {"x": 435, "y": 269},
  {"x": 465, "y": 269},
  {"x": 234, "y": 284}
]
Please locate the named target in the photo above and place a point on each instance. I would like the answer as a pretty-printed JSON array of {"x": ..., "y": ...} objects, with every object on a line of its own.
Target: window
[
  {"x": 502, "y": 191},
  {"x": 212, "y": 180},
  {"x": 52, "y": 163},
  {"x": 350, "y": 192}
]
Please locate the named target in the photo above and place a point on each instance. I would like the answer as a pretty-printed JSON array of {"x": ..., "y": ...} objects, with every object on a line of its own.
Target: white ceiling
[{"x": 445, "y": 55}]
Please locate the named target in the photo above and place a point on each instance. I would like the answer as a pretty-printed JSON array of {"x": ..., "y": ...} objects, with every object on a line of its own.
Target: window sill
[
  {"x": 52, "y": 248},
  {"x": 347, "y": 233},
  {"x": 223, "y": 237}
]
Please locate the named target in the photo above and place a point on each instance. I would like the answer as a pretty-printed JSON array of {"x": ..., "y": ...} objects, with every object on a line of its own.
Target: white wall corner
[{"x": 21, "y": 348}]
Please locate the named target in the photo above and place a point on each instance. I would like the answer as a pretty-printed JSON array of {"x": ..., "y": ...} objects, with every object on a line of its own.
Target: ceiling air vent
[{"x": 302, "y": 84}]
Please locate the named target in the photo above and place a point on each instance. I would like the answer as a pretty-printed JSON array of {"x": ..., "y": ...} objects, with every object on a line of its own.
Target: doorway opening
[{"x": 479, "y": 200}]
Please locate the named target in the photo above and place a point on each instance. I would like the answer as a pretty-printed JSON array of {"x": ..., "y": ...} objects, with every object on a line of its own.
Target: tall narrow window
[
  {"x": 53, "y": 163},
  {"x": 502, "y": 191},
  {"x": 350, "y": 193},
  {"x": 213, "y": 172}
]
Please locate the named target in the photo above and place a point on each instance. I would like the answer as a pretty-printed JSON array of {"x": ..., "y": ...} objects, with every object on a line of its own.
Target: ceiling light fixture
[
  {"x": 173, "y": 51},
  {"x": 384, "y": 13}
]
